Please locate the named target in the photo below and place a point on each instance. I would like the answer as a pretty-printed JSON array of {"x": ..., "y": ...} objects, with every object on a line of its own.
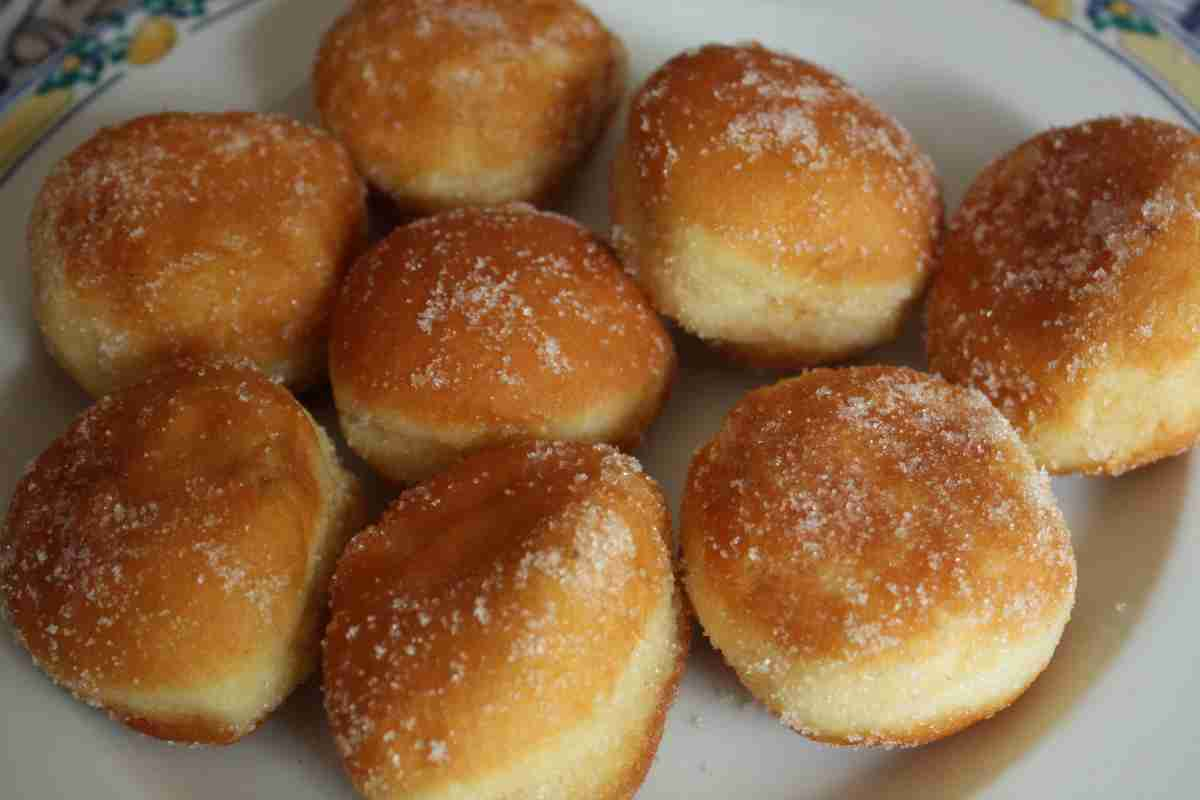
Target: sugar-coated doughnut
[
  {"x": 1069, "y": 293},
  {"x": 448, "y": 103},
  {"x": 167, "y": 558},
  {"x": 194, "y": 235},
  {"x": 511, "y": 628},
  {"x": 876, "y": 554},
  {"x": 771, "y": 209},
  {"x": 483, "y": 325}
]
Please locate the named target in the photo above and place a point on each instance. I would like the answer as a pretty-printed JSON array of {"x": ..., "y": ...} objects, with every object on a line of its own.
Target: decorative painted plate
[{"x": 1113, "y": 715}]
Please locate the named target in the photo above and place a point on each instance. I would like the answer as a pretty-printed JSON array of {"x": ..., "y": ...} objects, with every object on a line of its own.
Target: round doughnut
[
  {"x": 194, "y": 235},
  {"x": 771, "y": 209},
  {"x": 1069, "y": 296},
  {"x": 511, "y": 628},
  {"x": 167, "y": 558},
  {"x": 876, "y": 555},
  {"x": 483, "y": 325},
  {"x": 448, "y": 103}
]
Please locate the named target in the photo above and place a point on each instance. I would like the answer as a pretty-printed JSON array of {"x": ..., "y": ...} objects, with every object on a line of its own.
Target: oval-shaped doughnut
[
  {"x": 771, "y": 209},
  {"x": 468, "y": 102},
  {"x": 876, "y": 555},
  {"x": 167, "y": 558},
  {"x": 478, "y": 326},
  {"x": 511, "y": 628},
  {"x": 198, "y": 235},
  {"x": 1068, "y": 294}
]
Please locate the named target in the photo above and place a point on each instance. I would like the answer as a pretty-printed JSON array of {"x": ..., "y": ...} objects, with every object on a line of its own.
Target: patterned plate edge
[{"x": 137, "y": 37}]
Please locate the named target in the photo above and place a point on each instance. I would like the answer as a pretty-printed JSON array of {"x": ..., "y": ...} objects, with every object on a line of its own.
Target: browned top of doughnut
[
  {"x": 165, "y": 533},
  {"x": 400, "y": 79},
  {"x": 200, "y": 227},
  {"x": 1071, "y": 253},
  {"x": 800, "y": 159},
  {"x": 845, "y": 511},
  {"x": 492, "y": 317},
  {"x": 490, "y": 609}
]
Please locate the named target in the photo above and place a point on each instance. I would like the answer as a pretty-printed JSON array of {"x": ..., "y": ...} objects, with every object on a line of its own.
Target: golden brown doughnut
[
  {"x": 166, "y": 559},
  {"x": 876, "y": 554},
  {"x": 771, "y": 209},
  {"x": 485, "y": 325},
  {"x": 1069, "y": 295},
  {"x": 194, "y": 235},
  {"x": 448, "y": 103},
  {"x": 511, "y": 628}
]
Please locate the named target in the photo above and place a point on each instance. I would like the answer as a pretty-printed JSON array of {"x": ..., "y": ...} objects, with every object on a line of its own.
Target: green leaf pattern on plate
[{"x": 89, "y": 57}]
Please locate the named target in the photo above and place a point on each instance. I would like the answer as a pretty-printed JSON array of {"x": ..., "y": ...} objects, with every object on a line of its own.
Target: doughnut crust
[
  {"x": 511, "y": 628},
  {"x": 484, "y": 325},
  {"x": 771, "y": 209},
  {"x": 875, "y": 553},
  {"x": 194, "y": 235},
  {"x": 167, "y": 558},
  {"x": 1069, "y": 294},
  {"x": 448, "y": 103}
]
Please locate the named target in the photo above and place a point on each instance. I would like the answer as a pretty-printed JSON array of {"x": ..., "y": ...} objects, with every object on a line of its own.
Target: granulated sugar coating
[
  {"x": 1068, "y": 293},
  {"x": 510, "y": 629},
  {"x": 198, "y": 235},
  {"x": 823, "y": 230},
  {"x": 166, "y": 558},
  {"x": 876, "y": 554},
  {"x": 448, "y": 103},
  {"x": 478, "y": 326}
]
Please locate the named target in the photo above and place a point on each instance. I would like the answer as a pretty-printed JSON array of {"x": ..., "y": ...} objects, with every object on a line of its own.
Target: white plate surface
[{"x": 1112, "y": 717}]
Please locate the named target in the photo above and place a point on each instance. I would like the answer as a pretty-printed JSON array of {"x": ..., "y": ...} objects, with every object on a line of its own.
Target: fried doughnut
[
  {"x": 771, "y": 209},
  {"x": 167, "y": 558},
  {"x": 1069, "y": 294},
  {"x": 448, "y": 103},
  {"x": 485, "y": 325},
  {"x": 875, "y": 553},
  {"x": 194, "y": 235},
  {"x": 512, "y": 628}
]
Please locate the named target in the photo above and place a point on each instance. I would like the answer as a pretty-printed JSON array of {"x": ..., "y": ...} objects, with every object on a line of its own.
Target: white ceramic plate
[{"x": 1112, "y": 717}]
